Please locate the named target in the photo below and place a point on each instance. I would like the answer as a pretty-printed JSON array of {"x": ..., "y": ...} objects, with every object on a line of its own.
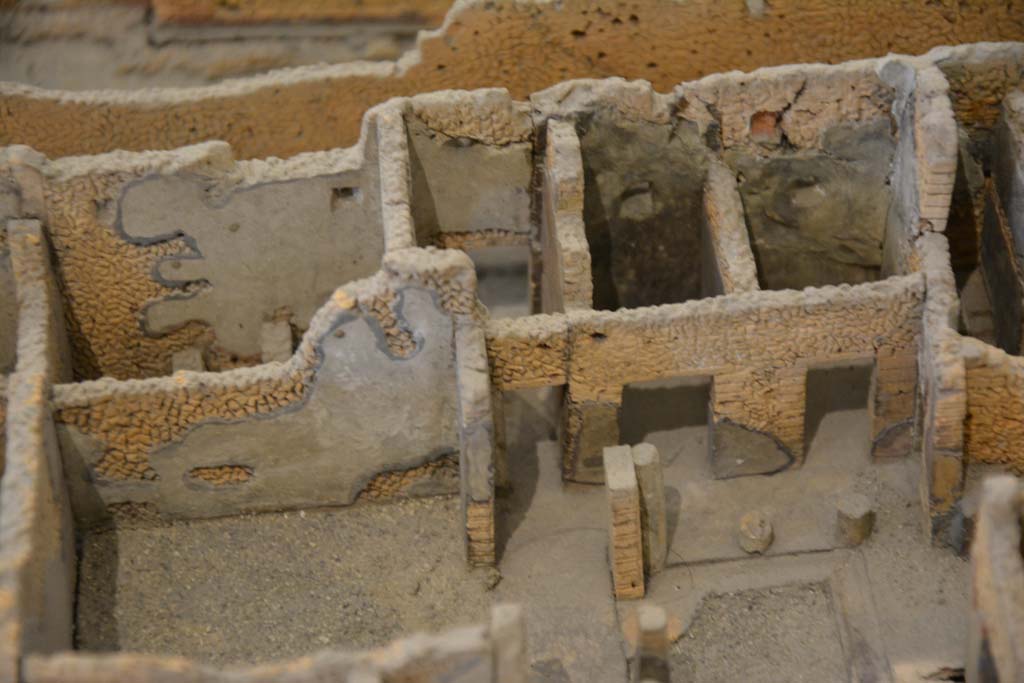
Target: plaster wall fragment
[
  {"x": 281, "y": 421},
  {"x": 483, "y": 135}
]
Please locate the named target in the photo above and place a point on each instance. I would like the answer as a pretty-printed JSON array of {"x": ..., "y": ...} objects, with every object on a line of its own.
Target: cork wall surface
[{"x": 519, "y": 46}]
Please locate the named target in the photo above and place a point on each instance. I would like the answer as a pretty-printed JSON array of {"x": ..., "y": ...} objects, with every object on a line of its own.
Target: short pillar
[
  {"x": 625, "y": 545},
  {"x": 508, "y": 637},
  {"x": 755, "y": 533},
  {"x": 652, "y": 661},
  {"x": 855, "y": 519},
  {"x": 653, "y": 518}
]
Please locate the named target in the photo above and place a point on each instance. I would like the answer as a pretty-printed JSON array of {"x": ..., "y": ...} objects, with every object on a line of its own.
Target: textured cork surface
[{"x": 522, "y": 47}]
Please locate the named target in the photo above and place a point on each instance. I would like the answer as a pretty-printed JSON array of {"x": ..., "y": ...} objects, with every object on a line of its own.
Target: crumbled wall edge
[{"x": 492, "y": 652}]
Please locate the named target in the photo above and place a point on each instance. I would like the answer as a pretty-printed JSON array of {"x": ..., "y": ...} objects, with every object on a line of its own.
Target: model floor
[{"x": 263, "y": 587}]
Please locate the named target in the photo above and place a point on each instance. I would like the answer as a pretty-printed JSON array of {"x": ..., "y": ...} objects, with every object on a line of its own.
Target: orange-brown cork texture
[
  {"x": 396, "y": 484},
  {"x": 106, "y": 281},
  {"x": 130, "y": 426},
  {"x": 222, "y": 475},
  {"x": 524, "y": 47}
]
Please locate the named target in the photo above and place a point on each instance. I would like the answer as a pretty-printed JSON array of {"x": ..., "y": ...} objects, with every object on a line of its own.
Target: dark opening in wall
[
  {"x": 663, "y": 405},
  {"x": 503, "y": 279},
  {"x": 838, "y": 388},
  {"x": 643, "y": 210},
  {"x": 818, "y": 216},
  {"x": 961, "y": 226}
]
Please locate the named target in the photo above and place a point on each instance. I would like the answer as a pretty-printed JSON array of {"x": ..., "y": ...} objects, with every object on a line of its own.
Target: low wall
[{"x": 488, "y": 653}]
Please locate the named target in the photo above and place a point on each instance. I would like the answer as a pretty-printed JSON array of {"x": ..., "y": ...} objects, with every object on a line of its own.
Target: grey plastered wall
[
  {"x": 366, "y": 412},
  {"x": 270, "y": 241},
  {"x": 466, "y": 183}
]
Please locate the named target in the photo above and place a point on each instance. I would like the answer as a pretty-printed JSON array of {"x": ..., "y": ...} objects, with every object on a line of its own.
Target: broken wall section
[
  {"x": 493, "y": 652},
  {"x": 255, "y": 241},
  {"x": 371, "y": 390}
]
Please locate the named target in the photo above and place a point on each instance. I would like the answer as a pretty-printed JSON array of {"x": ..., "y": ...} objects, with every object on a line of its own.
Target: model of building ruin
[{"x": 519, "y": 358}]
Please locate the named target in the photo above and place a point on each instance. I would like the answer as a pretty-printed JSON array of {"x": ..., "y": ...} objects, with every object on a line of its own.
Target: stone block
[
  {"x": 755, "y": 532},
  {"x": 855, "y": 519}
]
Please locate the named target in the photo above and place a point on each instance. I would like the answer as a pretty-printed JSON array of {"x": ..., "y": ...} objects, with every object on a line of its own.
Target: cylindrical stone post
[
  {"x": 652, "y": 662},
  {"x": 855, "y": 519},
  {"x": 653, "y": 520}
]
